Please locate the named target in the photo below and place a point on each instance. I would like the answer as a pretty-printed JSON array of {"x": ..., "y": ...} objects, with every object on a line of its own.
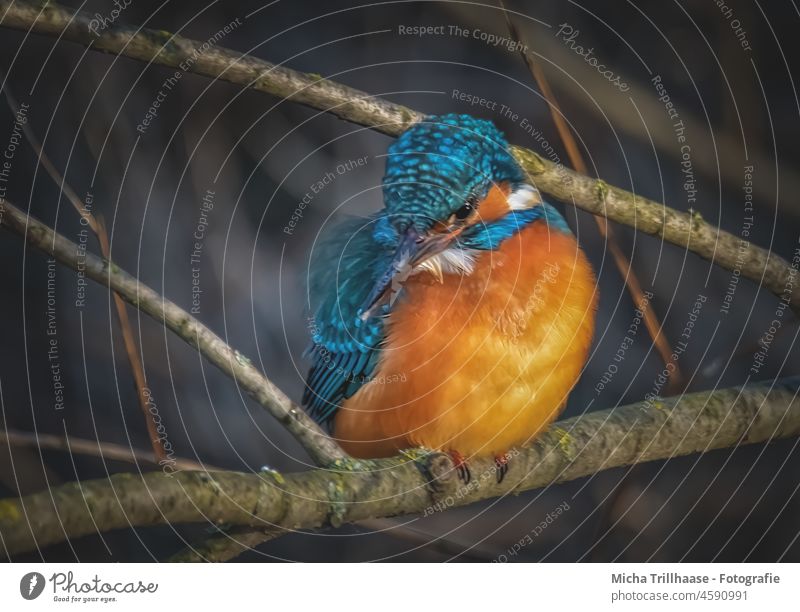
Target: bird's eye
[{"x": 466, "y": 210}]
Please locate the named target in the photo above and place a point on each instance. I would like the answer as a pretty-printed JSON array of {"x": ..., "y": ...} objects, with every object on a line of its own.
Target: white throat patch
[
  {"x": 461, "y": 261},
  {"x": 454, "y": 260}
]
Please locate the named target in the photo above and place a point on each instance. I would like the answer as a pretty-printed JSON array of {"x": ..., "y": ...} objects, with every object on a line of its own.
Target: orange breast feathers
[{"x": 481, "y": 362}]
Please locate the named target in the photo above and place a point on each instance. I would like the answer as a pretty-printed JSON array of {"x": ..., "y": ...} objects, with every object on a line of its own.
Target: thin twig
[
  {"x": 576, "y": 447},
  {"x": 646, "y": 431},
  {"x": 715, "y": 155},
  {"x": 600, "y": 440},
  {"x": 323, "y": 449},
  {"x": 94, "y": 448},
  {"x": 220, "y": 547},
  {"x": 654, "y": 327},
  {"x": 98, "y": 227},
  {"x": 687, "y": 230}
]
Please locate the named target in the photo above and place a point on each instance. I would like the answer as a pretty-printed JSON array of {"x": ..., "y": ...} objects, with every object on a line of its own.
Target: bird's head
[{"x": 451, "y": 190}]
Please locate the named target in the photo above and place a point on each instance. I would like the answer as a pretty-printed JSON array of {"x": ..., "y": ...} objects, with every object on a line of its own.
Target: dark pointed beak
[{"x": 412, "y": 250}]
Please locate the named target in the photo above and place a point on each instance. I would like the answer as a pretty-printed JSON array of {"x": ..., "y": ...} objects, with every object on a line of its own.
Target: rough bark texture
[
  {"x": 645, "y": 431},
  {"x": 687, "y": 230},
  {"x": 351, "y": 490}
]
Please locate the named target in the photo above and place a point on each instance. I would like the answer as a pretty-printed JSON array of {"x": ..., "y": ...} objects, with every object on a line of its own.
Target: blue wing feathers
[
  {"x": 344, "y": 349},
  {"x": 431, "y": 170}
]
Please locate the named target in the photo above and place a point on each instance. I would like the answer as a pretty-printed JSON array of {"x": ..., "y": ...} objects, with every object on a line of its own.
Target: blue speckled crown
[{"x": 435, "y": 165}]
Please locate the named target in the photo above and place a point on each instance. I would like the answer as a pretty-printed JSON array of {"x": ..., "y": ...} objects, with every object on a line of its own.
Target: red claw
[
  {"x": 501, "y": 465},
  {"x": 460, "y": 464}
]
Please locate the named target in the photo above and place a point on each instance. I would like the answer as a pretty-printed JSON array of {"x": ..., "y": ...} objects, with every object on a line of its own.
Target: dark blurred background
[{"x": 732, "y": 83}]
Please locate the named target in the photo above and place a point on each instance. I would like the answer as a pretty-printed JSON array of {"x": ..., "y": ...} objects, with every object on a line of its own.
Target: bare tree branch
[
  {"x": 687, "y": 230},
  {"x": 97, "y": 226},
  {"x": 93, "y": 448},
  {"x": 640, "y": 432},
  {"x": 319, "y": 446},
  {"x": 624, "y": 267},
  {"x": 353, "y": 490}
]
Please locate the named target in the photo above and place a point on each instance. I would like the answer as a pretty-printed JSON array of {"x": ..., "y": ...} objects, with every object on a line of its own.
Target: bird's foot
[
  {"x": 461, "y": 466},
  {"x": 433, "y": 465},
  {"x": 501, "y": 466}
]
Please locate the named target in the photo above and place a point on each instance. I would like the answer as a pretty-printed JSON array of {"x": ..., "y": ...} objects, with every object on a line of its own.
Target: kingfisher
[{"x": 459, "y": 317}]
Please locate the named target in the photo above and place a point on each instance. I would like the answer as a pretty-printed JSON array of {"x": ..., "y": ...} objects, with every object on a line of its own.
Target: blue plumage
[
  {"x": 344, "y": 348},
  {"x": 489, "y": 237},
  {"x": 431, "y": 171},
  {"x": 439, "y": 163}
]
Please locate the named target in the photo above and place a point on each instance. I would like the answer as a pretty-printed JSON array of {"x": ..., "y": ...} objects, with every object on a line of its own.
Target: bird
[{"x": 459, "y": 317}]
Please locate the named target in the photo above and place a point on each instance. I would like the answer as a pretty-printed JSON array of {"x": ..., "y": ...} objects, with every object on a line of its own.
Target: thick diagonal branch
[
  {"x": 687, "y": 230},
  {"x": 356, "y": 490},
  {"x": 319, "y": 446},
  {"x": 369, "y": 489},
  {"x": 645, "y": 431}
]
